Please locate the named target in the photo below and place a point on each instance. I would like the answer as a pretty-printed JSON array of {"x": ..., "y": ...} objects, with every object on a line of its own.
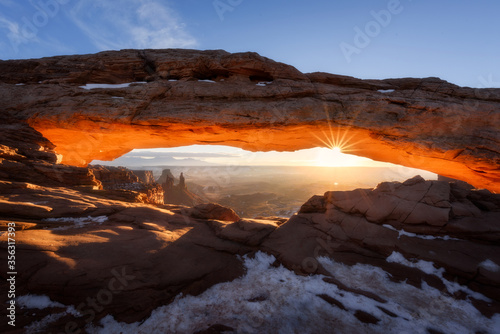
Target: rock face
[
  {"x": 212, "y": 211},
  {"x": 26, "y": 156},
  {"x": 145, "y": 176},
  {"x": 165, "y": 175},
  {"x": 177, "y": 193},
  {"x": 75, "y": 241},
  {"x": 76, "y": 244},
  {"x": 396, "y": 225},
  {"x": 123, "y": 184},
  {"x": 248, "y": 101},
  {"x": 114, "y": 177}
]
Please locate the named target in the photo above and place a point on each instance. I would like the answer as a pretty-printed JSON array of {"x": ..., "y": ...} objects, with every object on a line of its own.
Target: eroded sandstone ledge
[{"x": 248, "y": 101}]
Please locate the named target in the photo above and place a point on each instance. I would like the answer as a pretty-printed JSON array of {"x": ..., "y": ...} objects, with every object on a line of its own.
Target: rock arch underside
[{"x": 183, "y": 97}]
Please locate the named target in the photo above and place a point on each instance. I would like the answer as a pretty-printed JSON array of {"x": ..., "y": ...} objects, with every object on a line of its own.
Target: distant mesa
[
  {"x": 165, "y": 175},
  {"x": 124, "y": 184},
  {"x": 177, "y": 193},
  {"x": 145, "y": 176}
]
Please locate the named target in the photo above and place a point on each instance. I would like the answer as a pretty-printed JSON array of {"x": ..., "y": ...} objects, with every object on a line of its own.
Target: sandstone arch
[{"x": 252, "y": 102}]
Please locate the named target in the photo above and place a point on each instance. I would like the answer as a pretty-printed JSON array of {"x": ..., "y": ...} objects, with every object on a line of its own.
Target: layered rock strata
[
  {"x": 396, "y": 226},
  {"x": 124, "y": 184},
  {"x": 102, "y": 106},
  {"x": 74, "y": 243}
]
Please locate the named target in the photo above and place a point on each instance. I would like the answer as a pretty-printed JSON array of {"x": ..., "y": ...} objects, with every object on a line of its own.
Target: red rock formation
[
  {"x": 448, "y": 224},
  {"x": 145, "y": 176},
  {"x": 212, "y": 211},
  {"x": 92, "y": 239},
  {"x": 73, "y": 240},
  {"x": 123, "y": 184},
  {"x": 423, "y": 123},
  {"x": 165, "y": 175},
  {"x": 73, "y": 243},
  {"x": 26, "y": 156},
  {"x": 114, "y": 177},
  {"x": 178, "y": 194}
]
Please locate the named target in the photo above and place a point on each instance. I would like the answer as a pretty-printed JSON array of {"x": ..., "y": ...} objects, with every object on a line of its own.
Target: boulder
[{"x": 212, "y": 211}]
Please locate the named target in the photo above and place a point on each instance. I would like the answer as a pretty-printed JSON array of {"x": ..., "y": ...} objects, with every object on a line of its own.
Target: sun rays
[{"x": 338, "y": 139}]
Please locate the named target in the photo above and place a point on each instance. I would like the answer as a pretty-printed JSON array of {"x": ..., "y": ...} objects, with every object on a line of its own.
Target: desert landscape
[{"x": 89, "y": 248}]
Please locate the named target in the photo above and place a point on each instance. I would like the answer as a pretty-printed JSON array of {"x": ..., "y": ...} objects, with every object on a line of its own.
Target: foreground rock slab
[{"x": 419, "y": 231}]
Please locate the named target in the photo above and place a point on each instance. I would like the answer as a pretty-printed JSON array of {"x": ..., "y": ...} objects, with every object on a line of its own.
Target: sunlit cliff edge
[{"x": 103, "y": 105}]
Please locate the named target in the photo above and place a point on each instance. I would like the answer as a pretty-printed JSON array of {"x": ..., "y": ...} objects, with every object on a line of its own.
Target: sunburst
[{"x": 338, "y": 140}]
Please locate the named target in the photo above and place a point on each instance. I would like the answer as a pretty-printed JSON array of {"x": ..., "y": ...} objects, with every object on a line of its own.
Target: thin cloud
[
  {"x": 12, "y": 27},
  {"x": 131, "y": 24},
  {"x": 153, "y": 154}
]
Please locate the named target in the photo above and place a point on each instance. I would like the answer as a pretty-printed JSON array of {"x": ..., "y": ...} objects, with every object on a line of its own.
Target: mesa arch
[{"x": 183, "y": 97}]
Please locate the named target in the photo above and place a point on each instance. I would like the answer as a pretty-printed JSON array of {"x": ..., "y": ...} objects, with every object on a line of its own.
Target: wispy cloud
[
  {"x": 11, "y": 26},
  {"x": 112, "y": 25},
  {"x": 154, "y": 154},
  {"x": 14, "y": 33}
]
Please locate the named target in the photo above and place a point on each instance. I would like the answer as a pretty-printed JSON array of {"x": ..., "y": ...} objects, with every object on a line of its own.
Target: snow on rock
[
  {"x": 490, "y": 266},
  {"x": 429, "y": 268},
  {"x": 264, "y": 83},
  {"x": 384, "y": 91},
  {"x": 78, "y": 222},
  {"x": 43, "y": 302},
  {"x": 36, "y": 301},
  {"x": 40, "y": 326},
  {"x": 272, "y": 299},
  {"x": 420, "y": 236},
  {"x": 110, "y": 86},
  {"x": 206, "y": 81}
]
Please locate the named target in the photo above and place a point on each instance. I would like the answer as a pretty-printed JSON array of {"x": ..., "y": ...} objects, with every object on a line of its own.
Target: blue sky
[{"x": 454, "y": 40}]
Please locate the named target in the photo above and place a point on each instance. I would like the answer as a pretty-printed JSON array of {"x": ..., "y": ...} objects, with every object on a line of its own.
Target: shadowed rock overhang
[{"x": 184, "y": 97}]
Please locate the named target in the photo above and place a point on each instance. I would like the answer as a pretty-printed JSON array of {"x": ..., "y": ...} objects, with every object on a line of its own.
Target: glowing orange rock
[{"x": 252, "y": 102}]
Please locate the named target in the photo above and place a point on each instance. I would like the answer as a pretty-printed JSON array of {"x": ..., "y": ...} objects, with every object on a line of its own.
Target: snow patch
[
  {"x": 110, "y": 86},
  {"x": 429, "y": 268},
  {"x": 117, "y": 97},
  {"x": 384, "y": 91},
  {"x": 36, "y": 301},
  {"x": 264, "y": 83},
  {"x": 20, "y": 84},
  {"x": 289, "y": 303},
  {"x": 490, "y": 266},
  {"x": 40, "y": 326},
  {"x": 78, "y": 222},
  {"x": 420, "y": 236},
  {"x": 173, "y": 80},
  {"x": 425, "y": 266},
  {"x": 206, "y": 81}
]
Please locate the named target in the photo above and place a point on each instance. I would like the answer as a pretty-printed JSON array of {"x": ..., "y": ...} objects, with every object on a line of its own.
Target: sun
[
  {"x": 335, "y": 157},
  {"x": 330, "y": 157}
]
